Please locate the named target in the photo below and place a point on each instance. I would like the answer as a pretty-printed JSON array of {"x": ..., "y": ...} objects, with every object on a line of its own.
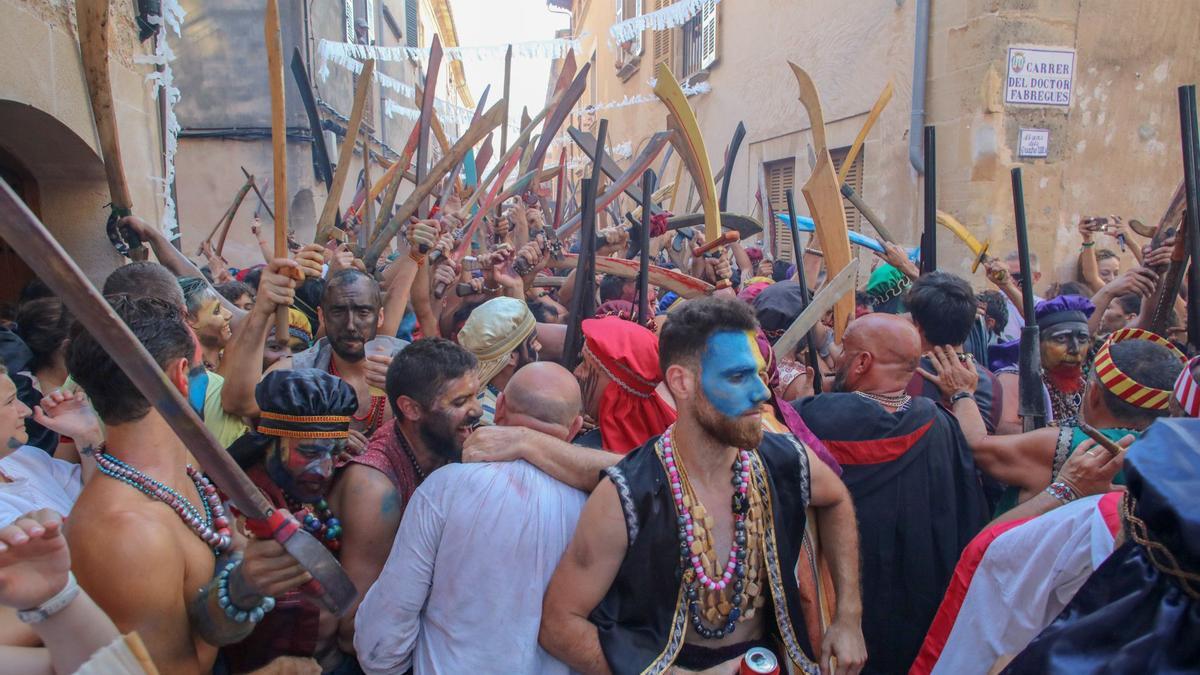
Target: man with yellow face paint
[{"x": 1065, "y": 342}]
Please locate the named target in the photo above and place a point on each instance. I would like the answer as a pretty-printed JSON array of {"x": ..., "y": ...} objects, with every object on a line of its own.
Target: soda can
[{"x": 759, "y": 661}]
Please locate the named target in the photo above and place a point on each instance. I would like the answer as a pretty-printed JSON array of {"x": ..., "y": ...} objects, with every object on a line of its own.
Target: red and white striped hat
[{"x": 1187, "y": 389}]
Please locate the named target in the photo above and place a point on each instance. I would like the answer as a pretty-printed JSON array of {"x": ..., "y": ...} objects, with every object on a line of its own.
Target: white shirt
[
  {"x": 1025, "y": 579},
  {"x": 38, "y": 482},
  {"x": 462, "y": 588}
]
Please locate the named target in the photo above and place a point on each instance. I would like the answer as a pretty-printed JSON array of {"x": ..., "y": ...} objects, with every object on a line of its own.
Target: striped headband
[
  {"x": 1124, "y": 386},
  {"x": 1187, "y": 389}
]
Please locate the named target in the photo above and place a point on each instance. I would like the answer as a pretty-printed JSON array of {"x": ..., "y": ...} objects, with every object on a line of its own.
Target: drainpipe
[{"x": 916, "y": 124}]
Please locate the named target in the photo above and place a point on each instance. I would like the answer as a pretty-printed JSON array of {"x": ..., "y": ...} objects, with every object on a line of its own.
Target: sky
[{"x": 493, "y": 22}]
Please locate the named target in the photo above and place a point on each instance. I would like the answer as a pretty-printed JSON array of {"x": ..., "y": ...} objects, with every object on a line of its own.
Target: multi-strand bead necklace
[
  {"x": 211, "y": 525},
  {"x": 706, "y": 593}
]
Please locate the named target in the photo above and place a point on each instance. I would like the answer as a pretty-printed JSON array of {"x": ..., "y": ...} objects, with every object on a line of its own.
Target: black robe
[{"x": 918, "y": 502}]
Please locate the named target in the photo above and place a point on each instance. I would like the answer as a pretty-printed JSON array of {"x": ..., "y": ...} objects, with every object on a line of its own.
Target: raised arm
[
  {"x": 408, "y": 262},
  {"x": 584, "y": 574},
  {"x": 244, "y": 353}
]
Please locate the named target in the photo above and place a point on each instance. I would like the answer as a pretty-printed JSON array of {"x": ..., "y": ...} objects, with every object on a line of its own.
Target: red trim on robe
[
  {"x": 875, "y": 451},
  {"x": 947, "y": 614}
]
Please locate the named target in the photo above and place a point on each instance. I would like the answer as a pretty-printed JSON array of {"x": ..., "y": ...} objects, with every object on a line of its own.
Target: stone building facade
[{"x": 1114, "y": 149}]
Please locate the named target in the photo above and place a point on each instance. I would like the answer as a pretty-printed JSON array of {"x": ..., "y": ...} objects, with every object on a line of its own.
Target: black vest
[{"x": 643, "y": 619}]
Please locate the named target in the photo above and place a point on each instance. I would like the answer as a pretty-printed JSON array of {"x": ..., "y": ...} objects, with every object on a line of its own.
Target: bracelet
[
  {"x": 1063, "y": 492},
  {"x": 416, "y": 256},
  {"x": 1088, "y": 244},
  {"x": 54, "y": 605},
  {"x": 960, "y": 396},
  {"x": 232, "y": 610},
  {"x": 486, "y": 289}
]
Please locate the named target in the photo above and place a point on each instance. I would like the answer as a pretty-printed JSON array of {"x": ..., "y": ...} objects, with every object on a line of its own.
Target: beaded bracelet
[
  {"x": 1063, "y": 492},
  {"x": 1088, "y": 244},
  {"x": 226, "y": 603}
]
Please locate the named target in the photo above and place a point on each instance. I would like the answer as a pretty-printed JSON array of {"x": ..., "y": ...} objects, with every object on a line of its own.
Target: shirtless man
[
  {"x": 650, "y": 579},
  {"x": 144, "y": 544}
]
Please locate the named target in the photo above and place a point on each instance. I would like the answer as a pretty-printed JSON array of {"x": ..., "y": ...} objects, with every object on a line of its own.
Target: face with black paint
[
  {"x": 350, "y": 314},
  {"x": 451, "y": 416},
  {"x": 303, "y": 467},
  {"x": 1064, "y": 347},
  {"x": 12, "y": 416},
  {"x": 729, "y": 407}
]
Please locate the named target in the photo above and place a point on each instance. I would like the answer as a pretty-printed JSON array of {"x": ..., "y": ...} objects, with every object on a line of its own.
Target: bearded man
[
  {"x": 646, "y": 584},
  {"x": 1065, "y": 341},
  {"x": 908, "y": 467},
  {"x": 431, "y": 387},
  {"x": 304, "y": 425}
]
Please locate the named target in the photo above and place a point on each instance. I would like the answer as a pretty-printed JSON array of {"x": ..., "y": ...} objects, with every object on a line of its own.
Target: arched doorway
[{"x": 62, "y": 180}]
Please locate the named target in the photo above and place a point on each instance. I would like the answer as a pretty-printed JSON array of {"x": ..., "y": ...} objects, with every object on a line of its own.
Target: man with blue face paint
[{"x": 677, "y": 563}]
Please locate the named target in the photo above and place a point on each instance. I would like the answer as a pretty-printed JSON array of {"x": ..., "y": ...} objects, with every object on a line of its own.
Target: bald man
[
  {"x": 462, "y": 588},
  {"x": 910, "y": 472}
]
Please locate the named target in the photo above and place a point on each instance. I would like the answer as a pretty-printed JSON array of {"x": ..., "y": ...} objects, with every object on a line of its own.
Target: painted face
[
  {"x": 303, "y": 467},
  {"x": 592, "y": 383},
  {"x": 1064, "y": 346},
  {"x": 1109, "y": 268},
  {"x": 12, "y": 416},
  {"x": 211, "y": 323},
  {"x": 729, "y": 374},
  {"x": 451, "y": 417},
  {"x": 351, "y": 317}
]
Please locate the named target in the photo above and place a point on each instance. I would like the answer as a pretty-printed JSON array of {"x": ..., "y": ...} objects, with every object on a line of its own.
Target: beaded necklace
[
  {"x": 408, "y": 452},
  {"x": 706, "y": 594},
  {"x": 374, "y": 416},
  {"x": 319, "y": 520},
  {"x": 1063, "y": 406},
  {"x": 211, "y": 525}
]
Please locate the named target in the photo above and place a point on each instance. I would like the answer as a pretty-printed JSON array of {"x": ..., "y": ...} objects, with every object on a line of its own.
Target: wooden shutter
[
  {"x": 663, "y": 40},
  {"x": 369, "y": 16},
  {"x": 781, "y": 177},
  {"x": 854, "y": 178},
  {"x": 348, "y": 19},
  {"x": 708, "y": 34},
  {"x": 635, "y": 9},
  {"x": 411, "y": 24}
]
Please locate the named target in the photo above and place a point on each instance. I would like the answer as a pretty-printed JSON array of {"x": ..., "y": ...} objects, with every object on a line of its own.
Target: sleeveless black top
[{"x": 642, "y": 620}]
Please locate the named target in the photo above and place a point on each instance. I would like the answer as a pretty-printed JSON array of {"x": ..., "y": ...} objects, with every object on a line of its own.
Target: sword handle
[{"x": 725, "y": 239}]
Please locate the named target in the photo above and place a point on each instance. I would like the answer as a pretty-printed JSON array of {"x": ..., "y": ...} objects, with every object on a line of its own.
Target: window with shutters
[
  {"x": 629, "y": 54},
  {"x": 781, "y": 177},
  {"x": 412, "y": 30},
  {"x": 348, "y": 19},
  {"x": 663, "y": 41},
  {"x": 369, "y": 15},
  {"x": 854, "y": 178},
  {"x": 699, "y": 37}
]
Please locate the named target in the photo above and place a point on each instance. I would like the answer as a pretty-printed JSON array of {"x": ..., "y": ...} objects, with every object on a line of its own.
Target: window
[
  {"x": 629, "y": 55},
  {"x": 663, "y": 40},
  {"x": 412, "y": 28},
  {"x": 369, "y": 15},
  {"x": 781, "y": 177},
  {"x": 348, "y": 19},
  {"x": 854, "y": 178},
  {"x": 699, "y": 38}
]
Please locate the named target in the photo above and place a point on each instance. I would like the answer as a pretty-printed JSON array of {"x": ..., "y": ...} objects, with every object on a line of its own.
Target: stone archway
[{"x": 65, "y": 178}]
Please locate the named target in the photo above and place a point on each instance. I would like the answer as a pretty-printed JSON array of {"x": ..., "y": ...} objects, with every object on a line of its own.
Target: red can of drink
[{"x": 759, "y": 661}]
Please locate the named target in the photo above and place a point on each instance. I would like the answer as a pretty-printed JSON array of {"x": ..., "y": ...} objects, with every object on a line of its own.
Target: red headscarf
[{"x": 631, "y": 413}]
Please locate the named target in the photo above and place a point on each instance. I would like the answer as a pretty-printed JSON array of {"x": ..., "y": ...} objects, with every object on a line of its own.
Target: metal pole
[
  {"x": 643, "y": 316},
  {"x": 929, "y": 238},
  {"x": 813, "y": 357},
  {"x": 1191, "y": 224},
  {"x": 1032, "y": 400}
]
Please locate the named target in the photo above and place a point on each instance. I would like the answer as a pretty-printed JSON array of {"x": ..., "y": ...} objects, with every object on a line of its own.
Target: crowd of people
[{"x": 675, "y": 494}]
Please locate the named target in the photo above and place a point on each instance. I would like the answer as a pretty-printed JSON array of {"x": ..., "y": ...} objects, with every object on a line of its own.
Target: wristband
[
  {"x": 960, "y": 396},
  {"x": 1088, "y": 244},
  {"x": 232, "y": 610},
  {"x": 54, "y": 605},
  {"x": 416, "y": 257},
  {"x": 1062, "y": 491}
]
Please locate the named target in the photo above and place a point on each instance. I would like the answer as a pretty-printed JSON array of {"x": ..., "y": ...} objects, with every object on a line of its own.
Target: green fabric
[
  {"x": 885, "y": 283},
  {"x": 1009, "y": 499}
]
